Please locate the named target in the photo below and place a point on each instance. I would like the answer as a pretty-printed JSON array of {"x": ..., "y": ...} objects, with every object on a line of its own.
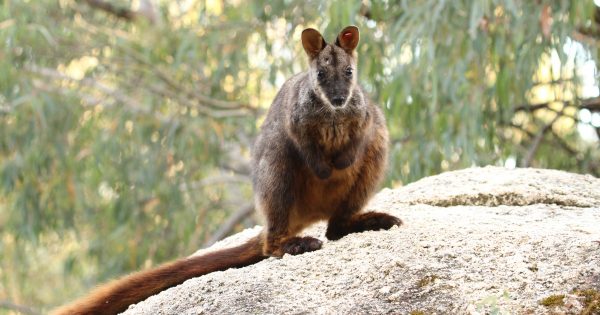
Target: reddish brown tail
[{"x": 116, "y": 296}]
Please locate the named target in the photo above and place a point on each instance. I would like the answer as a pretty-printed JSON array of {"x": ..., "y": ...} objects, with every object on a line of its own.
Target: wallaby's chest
[
  {"x": 313, "y": 120},
  {"x": 332, "y": 137}
]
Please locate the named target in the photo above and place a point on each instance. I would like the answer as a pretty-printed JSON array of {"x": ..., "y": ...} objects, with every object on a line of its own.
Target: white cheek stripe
[
  {"x": 350, "y": 93},
  {"x": 324, "y": 98}
]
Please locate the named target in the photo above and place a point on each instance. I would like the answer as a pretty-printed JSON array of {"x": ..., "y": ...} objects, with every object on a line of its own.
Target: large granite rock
[{"x": 475, "y": 241}]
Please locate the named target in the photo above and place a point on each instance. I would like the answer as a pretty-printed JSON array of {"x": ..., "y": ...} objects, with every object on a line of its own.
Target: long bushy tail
[{"x": 116, "y": 296}]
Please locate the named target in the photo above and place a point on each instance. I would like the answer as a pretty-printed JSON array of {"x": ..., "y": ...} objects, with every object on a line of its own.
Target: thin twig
[
  {"x": 23, "y": 309},
  {"x": 110, "y": 8},
  {"x": 165, "y": 77},
  {"x": 146, "y": 9},
  {"x": 121, "y": 97},
  {"x": 116, "y": 94},
  {"x": 213, "y": 180}
]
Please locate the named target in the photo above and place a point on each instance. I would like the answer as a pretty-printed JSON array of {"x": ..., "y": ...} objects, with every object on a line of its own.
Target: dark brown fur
[
  {"x": 322, "y": 150},
  {"x": 320, "y": 156}
]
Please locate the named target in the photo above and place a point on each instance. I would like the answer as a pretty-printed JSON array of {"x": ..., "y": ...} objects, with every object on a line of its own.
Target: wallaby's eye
[
  {"x": 349, "y": 71},
  {"x": 320, "y": 74}
]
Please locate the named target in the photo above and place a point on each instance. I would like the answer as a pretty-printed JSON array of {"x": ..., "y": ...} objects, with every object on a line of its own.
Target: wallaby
[{"x": 320, "y": 155}]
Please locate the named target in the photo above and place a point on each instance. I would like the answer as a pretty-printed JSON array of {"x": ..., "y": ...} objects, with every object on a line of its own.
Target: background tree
[{"x": 126, "y": 127}]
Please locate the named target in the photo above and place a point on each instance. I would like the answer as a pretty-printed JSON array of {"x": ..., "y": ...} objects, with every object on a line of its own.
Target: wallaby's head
[{"x": 332, "y": 68}]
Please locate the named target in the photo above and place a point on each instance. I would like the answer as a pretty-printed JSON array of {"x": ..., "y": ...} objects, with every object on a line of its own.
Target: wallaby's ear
[
  {"x": 348, "y": 38},
  {"x": 313, "y": 42}
]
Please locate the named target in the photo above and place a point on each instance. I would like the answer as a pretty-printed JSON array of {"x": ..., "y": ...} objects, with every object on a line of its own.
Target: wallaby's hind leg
[{"x": 370, "y": 221}]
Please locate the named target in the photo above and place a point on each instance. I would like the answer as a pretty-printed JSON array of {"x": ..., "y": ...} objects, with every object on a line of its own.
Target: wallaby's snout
[{"x": 338, "y": 100}]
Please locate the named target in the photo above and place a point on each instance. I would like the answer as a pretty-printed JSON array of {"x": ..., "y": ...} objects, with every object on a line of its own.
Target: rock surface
[{"x": 475, "y": 241}]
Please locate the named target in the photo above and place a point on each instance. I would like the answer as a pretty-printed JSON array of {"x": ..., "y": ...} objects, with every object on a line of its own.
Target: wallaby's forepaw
[
  {"x": 323, "y": 171},
  {"x": 342, "y": 161},
  {"x": 299, "y": 245},
  {"x": 319, "y": 165}
]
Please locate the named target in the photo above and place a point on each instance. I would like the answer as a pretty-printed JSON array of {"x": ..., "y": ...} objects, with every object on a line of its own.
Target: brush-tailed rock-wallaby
[{"x": 320, "y": 155}]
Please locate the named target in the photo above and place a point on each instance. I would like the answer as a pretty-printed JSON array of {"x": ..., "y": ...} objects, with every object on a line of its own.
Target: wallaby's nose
[{"x": 338, "y": 100}]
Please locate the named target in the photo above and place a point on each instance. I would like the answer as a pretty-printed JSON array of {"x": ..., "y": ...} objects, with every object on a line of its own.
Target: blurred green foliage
[{"x": 126, "y": 126}]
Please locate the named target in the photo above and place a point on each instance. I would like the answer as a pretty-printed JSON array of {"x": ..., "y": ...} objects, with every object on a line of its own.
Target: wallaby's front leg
[
  {"x": 274, "y": 195},
  {"x": 279, "y": 242},
  {"x": 279, "y": 238},
  {"x": 348, "y": 154},
  {"x": 347, "y": 218},
  {"x": 305, "y": 142},
  {"x": 314, "y": 158}
]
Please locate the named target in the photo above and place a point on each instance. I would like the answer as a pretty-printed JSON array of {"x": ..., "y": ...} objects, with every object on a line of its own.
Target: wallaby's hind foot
[{"x": 370, "y": 221}]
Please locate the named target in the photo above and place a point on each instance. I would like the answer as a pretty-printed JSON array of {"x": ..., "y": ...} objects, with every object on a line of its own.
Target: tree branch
[
  {"x": 592, "y": 104},
  {"x": 593, "y": 167},
  {"x": 227, "y": 227},
  {"x": 536, "y": 141}
]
